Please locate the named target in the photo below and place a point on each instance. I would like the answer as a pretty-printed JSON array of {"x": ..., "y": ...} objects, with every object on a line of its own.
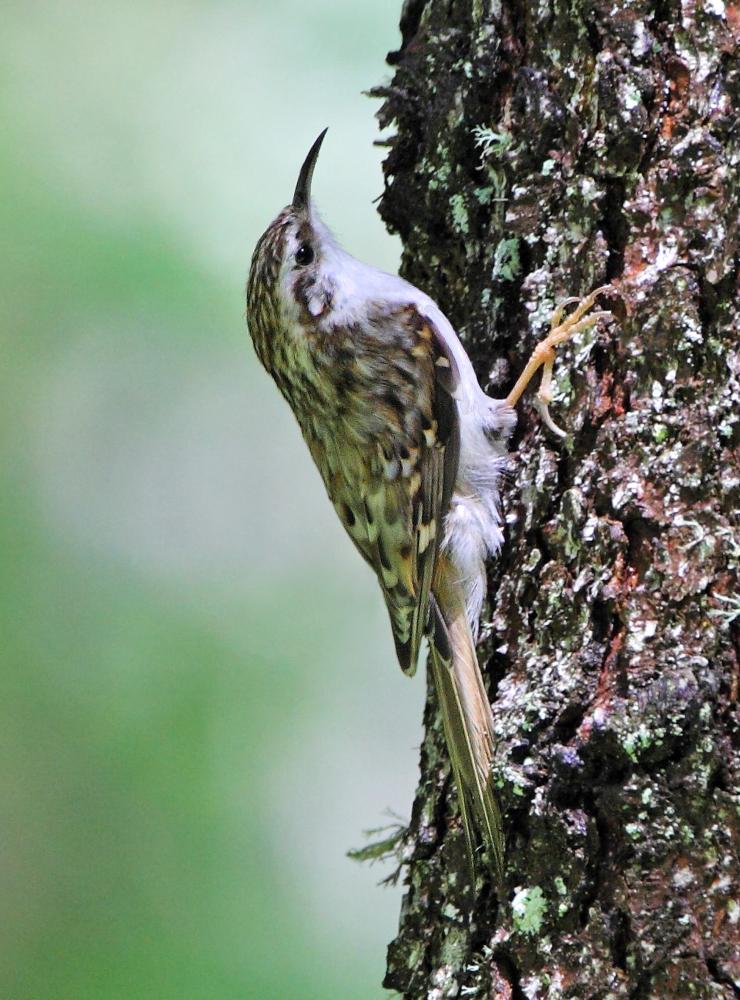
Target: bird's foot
[{"x": 543, "y": 356}]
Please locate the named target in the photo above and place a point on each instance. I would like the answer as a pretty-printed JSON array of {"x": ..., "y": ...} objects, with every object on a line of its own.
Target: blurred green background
[{"x": 200, "y": 706}]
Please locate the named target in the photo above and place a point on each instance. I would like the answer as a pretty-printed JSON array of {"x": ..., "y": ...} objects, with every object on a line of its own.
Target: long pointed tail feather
[{"x": 468, "y": 728}]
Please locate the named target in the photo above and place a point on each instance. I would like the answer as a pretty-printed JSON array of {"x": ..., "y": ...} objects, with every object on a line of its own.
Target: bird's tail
[{"x": 467, "y": 721}]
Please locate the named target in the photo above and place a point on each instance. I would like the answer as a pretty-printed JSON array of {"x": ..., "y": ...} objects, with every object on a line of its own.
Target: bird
[{"x": 411, "y": 452}]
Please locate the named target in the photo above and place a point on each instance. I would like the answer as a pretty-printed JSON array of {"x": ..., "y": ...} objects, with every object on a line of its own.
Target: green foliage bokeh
[{"x": 200, "y": 708}]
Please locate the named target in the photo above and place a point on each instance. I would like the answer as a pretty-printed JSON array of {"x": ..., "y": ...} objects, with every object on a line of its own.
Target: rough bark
[{"x": 540, "y": 150}]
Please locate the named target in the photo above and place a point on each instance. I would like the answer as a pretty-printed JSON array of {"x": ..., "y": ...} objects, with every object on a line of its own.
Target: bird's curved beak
[{"x": 302, "y": 196}]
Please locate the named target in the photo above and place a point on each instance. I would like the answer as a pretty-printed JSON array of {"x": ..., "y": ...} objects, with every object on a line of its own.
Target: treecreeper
[{"x": 411, "y": 452}]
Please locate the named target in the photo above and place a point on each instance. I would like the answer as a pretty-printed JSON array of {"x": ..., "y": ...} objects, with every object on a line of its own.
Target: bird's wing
[{"x": 409, "y": 471}]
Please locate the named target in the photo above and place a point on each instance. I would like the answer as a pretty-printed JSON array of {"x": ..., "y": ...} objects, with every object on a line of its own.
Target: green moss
[
  {"x": 459, "y": 214},
  {"x": 491, "y": 144},
  {"x": 528, "y": 908},
  {"x": 455, "y": 947},
  {"x": 440, "y": 175},
  {"x": 635, "y": 741},
  {"x": 506, "y": 264}
]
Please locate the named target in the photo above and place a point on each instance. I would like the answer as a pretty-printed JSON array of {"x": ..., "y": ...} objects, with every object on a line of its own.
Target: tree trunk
[{"x": 542, "y": 150}]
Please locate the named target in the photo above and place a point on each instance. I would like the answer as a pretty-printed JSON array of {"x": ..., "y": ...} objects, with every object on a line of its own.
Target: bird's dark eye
[{"x": 304, "y": 254}]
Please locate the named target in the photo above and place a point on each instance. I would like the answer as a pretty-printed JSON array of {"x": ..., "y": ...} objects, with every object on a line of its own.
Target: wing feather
[
  {"x": 390, "y": 469},
  {"x": 426, "y": 490}
]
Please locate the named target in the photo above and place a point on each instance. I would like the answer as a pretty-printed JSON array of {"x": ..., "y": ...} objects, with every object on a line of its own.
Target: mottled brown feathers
[
  {"x": 373, "y": 401},
  {"x": 370, "y": 369}
]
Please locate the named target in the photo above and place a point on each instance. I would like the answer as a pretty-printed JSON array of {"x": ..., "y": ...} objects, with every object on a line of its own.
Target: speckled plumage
[{"x": 410, "y": 450}]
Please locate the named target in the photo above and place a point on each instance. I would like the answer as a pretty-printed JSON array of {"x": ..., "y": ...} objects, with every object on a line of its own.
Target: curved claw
[
  {"x": 557, "y": 316},
  {"x": 542, "y": 408}
]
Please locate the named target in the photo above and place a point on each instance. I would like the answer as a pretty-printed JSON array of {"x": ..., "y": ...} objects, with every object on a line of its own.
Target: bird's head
[{"x": 290, "y": 281}]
